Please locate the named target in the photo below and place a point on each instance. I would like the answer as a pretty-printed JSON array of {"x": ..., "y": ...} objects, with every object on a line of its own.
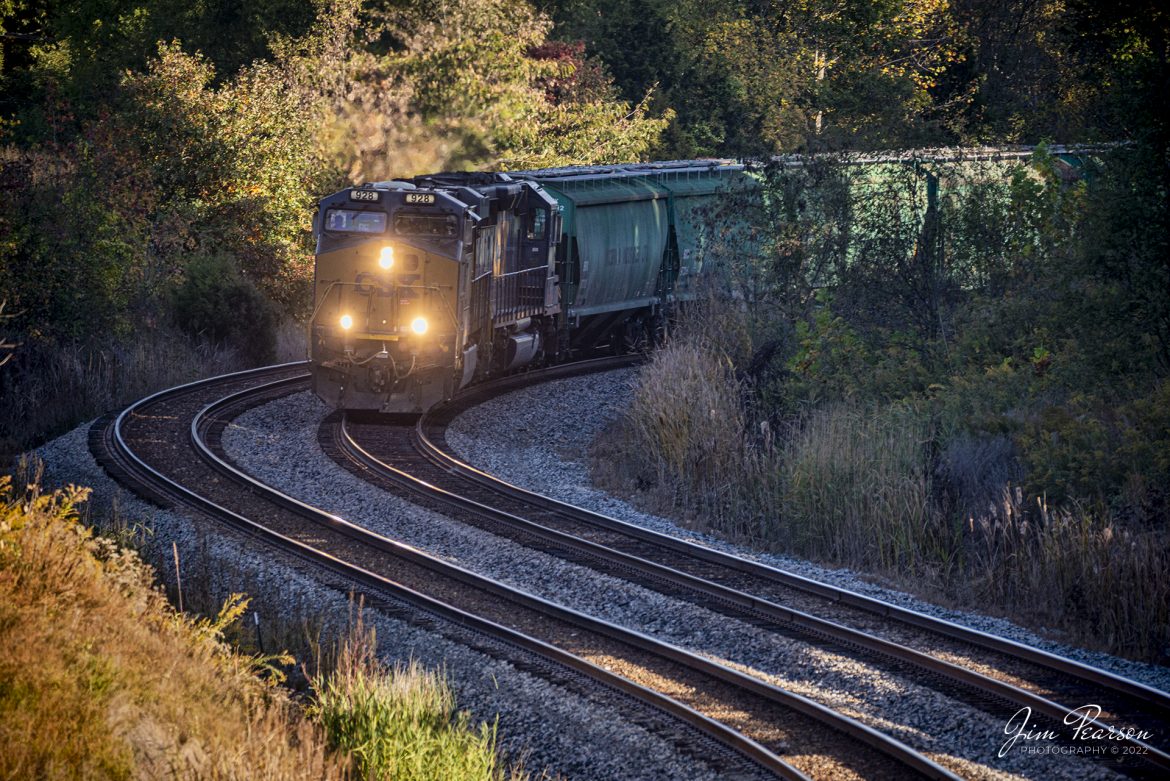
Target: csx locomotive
[{"x": 423, "y": 286}]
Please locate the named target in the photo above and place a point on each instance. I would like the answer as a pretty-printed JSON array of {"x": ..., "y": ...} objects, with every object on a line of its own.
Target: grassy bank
[
  {"x": 889, "y": 489},
  {"x": 100, "y": 677},
  {"x": 966, "y": 393}
]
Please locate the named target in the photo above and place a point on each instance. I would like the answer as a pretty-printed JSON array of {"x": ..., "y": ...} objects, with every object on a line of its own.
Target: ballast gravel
[
  {"x": 537, "y": 439},
  {"x": 546, "y": 726},
  {"x": 277, "y": 443}
]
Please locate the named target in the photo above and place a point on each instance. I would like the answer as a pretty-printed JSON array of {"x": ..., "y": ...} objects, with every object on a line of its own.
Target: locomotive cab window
[
  {"x": 442, "y": 226},
  {"x": 351, "y": 221},
  {"x": 536, "y": 224}
]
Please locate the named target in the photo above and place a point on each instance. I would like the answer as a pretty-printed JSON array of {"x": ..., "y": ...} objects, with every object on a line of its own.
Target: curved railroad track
[
  {"x": 166, "y": 447},
  {"x": 985, "y": 671}
]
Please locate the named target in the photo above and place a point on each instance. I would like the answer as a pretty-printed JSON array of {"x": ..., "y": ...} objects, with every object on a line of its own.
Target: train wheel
[{"x": 635, "y": 336}]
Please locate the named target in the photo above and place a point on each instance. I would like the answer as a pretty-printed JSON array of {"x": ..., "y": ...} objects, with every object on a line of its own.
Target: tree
[
  {"x": 6, "y": 347},
  {"x": 769, "y": 77},
  {"x": 465, "y": 85}
]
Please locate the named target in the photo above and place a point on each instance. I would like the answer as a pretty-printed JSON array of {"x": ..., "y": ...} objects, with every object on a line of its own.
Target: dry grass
[
  {"x": 101, "y": 678},
  {"x": 859, "y": 486},
  {"x": 857, "y": 489},
  {"x": 694, "y": 435},
  {"x": 1076, "y": 571},
  {"x": 47, "y": 392},
  {"x": 292, "y": 342}
]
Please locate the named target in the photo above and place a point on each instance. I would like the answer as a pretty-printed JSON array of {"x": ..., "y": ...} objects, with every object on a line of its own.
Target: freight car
[{"x": 424, "y": 285}]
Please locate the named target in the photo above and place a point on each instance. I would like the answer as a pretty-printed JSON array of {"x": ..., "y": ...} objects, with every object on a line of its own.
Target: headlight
[
  {"x": 346, "y": 322},
  {"x": 419, "y": 325},
  {"x": 386, "y": 259}
]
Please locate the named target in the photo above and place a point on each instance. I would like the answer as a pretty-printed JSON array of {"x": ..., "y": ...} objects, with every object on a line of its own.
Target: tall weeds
[
  {"x": 864, "y": 486},
  {"x": 856, "y": 488},
  {"x": 1076, "y": 570},
  {"x": 48, "y": 390},
  {"x": 400, "y": 723},
  {"x": 694, "y": 434}
]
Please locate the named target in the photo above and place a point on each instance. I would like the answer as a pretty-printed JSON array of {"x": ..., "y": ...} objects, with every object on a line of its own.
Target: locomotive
[{"x": 422, "y": 286}]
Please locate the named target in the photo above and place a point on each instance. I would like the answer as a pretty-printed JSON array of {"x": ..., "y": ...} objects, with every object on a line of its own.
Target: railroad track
[
  {"x": 985, "y": 671},
  {"x": 166, "y": 448}
]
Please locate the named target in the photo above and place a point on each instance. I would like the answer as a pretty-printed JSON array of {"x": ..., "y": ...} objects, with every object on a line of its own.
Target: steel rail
[
  {"x": 436, "y": 420},
  {"x": 148, "y": 479},
  {"x": 806, "y": 624},
  {"x": 879, "y": 741},
  {"x": 1134, "y": 689}
]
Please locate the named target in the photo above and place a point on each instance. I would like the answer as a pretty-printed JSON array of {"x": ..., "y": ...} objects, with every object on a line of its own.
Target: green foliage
[
  {"x": 66, "y": 264},
  {"x": 1109, "y": 456},
  {"x": 230, "y": 167},
  {"x": 1107, "y": 58},
  {"x": 968, "y": 385},
  {"x": 7, "y": 10},
  {"x": 400, "y": 724},
  {"x": 75, "y": 53},
  {"x": 1120, "y": 271},
  {"x": 769, "y": 77},
  {"x": 96, "y": 229},
  {"x": 469, "y": 86},
  {"x": 766, "y": 77},
  {"x": 833, "y": 363},
  {"x": 216, "y": 303}
]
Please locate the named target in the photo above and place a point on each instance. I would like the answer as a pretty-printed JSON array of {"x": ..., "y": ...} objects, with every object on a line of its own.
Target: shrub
[
  {"x": 834, "y": 362},
  {"x": 1111, "y": 455},
  {"x": 688, "y": 425},
  {"x": 216, "y": 303},
  {"x": 69, "y": 265}
]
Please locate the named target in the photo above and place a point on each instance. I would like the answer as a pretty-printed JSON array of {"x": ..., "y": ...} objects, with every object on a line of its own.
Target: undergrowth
[
  {"x": 401, "y": 723},
  {"x": 879, "y": 487},
  {"x": 47, "y": 390},
  {"x": 100, "y": 677},
  {"x": 958, "y": 382}
]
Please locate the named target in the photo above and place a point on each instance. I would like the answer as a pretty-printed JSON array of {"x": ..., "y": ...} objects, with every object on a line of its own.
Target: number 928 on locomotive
[{"x": 423, "y": 286}]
